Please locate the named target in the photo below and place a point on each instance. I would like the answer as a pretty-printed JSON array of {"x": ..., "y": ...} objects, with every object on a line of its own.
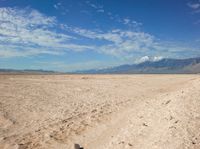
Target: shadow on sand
[{"x": 77, "y": 146}]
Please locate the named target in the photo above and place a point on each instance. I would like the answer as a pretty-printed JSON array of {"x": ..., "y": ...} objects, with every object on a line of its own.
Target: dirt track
[{"x": 100, "y": 111}]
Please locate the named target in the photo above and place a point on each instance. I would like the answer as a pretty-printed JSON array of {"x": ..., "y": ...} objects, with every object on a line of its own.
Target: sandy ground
[{"x": 100, "y": 111}]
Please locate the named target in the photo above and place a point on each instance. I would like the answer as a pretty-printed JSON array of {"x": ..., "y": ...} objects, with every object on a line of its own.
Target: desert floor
[{"x": 100, "y": 111}]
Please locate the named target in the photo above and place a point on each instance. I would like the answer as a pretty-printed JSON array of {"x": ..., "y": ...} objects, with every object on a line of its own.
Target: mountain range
[
  {"x": 163, "y": 66},
  {"x": 26, "y": 71}
]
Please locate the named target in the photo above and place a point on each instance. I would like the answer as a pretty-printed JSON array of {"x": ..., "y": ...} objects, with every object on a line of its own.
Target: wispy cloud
[
  {"x": 57, "y": 5},
  {"x": 126, "y": 21},
  {"x": 8, "y": 51},
  {"x": 114, "y": 17},
  {"x": 131, "y": 23},
  {"x": 25, "y": 29},
  {"x": 97, "y": 7},
  {"x": 101, "y": 10},
  {"x": 129, "y": 44},
  {"x": 27, "y": 32},
  {"x": 194, "y": 6}
]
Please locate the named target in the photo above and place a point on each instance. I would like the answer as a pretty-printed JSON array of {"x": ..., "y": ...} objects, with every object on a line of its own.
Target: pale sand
[{"x": 100, "y": 111}]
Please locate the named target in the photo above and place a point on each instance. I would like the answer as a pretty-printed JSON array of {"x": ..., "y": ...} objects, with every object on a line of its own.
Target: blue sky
[{"x": 69, "y": 35}]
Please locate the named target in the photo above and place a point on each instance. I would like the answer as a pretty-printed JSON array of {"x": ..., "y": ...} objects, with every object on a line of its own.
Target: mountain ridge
[{"x": 165, "y": 65}]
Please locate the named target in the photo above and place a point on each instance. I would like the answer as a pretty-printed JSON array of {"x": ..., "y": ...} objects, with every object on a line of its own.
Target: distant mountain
[
  {"x": 26, "y": 71},
  {"x": 163, "y": 66}
]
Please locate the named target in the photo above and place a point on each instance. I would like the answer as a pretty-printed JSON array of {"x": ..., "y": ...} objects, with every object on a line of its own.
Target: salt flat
[{"x": 100, "y": 111}]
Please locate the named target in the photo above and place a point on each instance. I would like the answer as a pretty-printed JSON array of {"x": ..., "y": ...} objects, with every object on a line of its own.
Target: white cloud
[
  {"x": 27, "y": 32},
  {"x": 194, "y": 5},
  {"x": 62, "y": 10},
  {"x": 148, "y": 58},
  {"x": 24, "y": 17},
  {"x": 130, "y": 22},
  {"x": 143, "y": 59},
  {"x": 98, "y": 8},
  {"x": 126, "y": 21},
  {"x": 114, "y": 17},
  {"x": 109, "y": 36},
  {"x": 135, "y": 23},
  {"x": 129, "y": 44},
  {"x": 29, "y": 29},
  {"x": 157, "y": 58},
  {"x": 8, "y": 51},
  {"x": 118, "y": 38},
  {"x": 57, "y": 5},
  {"x": 89, "y": 3}
]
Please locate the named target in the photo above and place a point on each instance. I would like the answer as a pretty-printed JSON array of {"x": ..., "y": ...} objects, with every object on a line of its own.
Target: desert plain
[{"x": 100, "y": 111}]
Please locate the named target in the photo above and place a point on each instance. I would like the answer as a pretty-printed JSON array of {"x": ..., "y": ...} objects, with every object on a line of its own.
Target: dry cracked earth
[{"x": 100, "y": 111}]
